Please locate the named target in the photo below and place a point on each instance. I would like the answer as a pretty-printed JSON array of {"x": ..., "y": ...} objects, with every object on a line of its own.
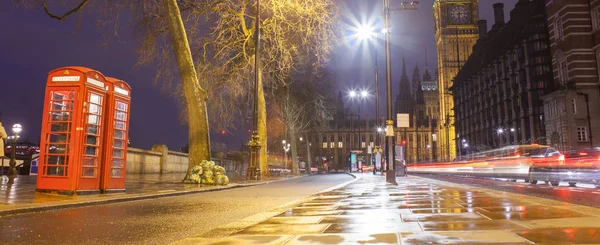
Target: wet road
[
  {"x": 583, "y": 194},
  {"x": 157, "y": 221}
]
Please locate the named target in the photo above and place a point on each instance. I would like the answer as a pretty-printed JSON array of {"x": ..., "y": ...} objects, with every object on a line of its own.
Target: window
[
  {"x": 340, "y": 144},
  {"x": 324, "y": 145},
  {"x": 596, "y": 18},
  {"x": 332, "y": 145},
  {"x": 582, "y": 134},
  {"x": 563, "y": 72},
  {"x": 574, "y": 106},
  {"x": 558, "y": 29},
  {"x": 363, "y": 145}
]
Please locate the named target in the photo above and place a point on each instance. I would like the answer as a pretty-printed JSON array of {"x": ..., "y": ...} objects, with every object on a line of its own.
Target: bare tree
[
  {"x": 161, "y": 19},
  {"x": 294, "y": 116},
  {"x": 294, "y": 34},
  {"x": 212, "y": 42}
]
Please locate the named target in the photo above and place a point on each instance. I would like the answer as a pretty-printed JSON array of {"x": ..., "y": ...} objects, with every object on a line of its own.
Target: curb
[{"x": 129, "y": 199}]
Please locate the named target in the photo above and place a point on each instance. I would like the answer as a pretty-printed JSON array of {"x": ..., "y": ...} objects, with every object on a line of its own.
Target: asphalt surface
[
  {"x": 157, "y": 221},
  {"x": 583, "y": 194}
]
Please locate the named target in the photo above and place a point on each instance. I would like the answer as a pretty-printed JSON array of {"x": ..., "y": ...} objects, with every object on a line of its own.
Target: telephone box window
[
  {"x": 59, "y": 130},
  {"x": 118, "y": 157},
  {"x": 92, "y": 136}
]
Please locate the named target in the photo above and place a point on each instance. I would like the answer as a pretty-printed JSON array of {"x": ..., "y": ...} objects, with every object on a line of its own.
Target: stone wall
[
  {"x": 143, "y": 161},
  {"x": 161, "y": 160}
]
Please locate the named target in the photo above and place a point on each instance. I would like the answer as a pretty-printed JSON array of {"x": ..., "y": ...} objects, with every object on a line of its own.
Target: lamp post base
[
  {"x": 253, "y": 171},
  {"x": 390, "y": 177}
]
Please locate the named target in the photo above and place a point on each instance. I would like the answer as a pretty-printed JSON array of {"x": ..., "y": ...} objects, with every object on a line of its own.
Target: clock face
[{"x": 459, "y": 14}]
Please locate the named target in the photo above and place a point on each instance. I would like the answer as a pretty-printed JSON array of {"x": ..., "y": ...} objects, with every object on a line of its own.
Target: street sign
[
  {"x": 403, "y": 120},
  {"x": 33, "y": 170}
]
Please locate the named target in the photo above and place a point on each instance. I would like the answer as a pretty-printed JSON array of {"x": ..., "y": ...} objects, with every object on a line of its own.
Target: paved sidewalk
[
  {"x": 417, "y": 211},
  {"x": 21, "y": 197}
]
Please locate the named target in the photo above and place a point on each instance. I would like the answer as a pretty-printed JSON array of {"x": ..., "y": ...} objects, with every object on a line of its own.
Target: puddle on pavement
[
  {"x": 534, "y": 214},
  {"x": 470, "y": 225},
  {"x": 445, "y": 217},
  {"x": 380, "y": 239},
  {"x": 463, "y": 238},
  {"x": 369, "y": 228},
  {"x": 562, "y": 235}
]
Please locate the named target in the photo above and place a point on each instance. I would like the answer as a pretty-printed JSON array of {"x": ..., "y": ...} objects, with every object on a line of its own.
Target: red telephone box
[
  {"x": 114, "y": 157},
  {"x": 72, "y": 131}
]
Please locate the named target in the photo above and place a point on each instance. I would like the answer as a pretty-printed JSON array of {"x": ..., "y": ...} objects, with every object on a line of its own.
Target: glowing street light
[
  {"x": 365, "y": 32},
  {"x": 500, "y": 131},
  {"x": 12, "y": 170}
]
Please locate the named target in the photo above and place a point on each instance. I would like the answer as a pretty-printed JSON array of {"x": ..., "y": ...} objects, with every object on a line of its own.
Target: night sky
[{"x": 33, "y": 44}]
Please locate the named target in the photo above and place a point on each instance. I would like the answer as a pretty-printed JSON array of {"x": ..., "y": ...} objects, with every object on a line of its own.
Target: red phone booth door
[
  {"x": 116, "y": 178},
  {"x": 92, "y": 137},
  {"x": 59, "y": 137}
]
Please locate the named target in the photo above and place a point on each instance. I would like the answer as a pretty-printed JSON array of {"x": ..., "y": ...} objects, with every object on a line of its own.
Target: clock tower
[{"x": 456, "y": 32}]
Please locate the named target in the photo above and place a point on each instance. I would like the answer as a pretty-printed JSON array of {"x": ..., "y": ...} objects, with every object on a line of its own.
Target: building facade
[
  {"x": 571, "y": 106},
  {"x": 498, "y": 93},
  {"x": 346, "y": 132},
  {"x": 456, "y": 32},
  {"x": 419, "y": 98}
]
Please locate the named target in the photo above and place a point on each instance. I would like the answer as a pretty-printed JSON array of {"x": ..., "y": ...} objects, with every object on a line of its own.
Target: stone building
[
  {"x": 418, "y": 98},
  {"x": 572, "y": 104},
  {"x": 455, "y": 32},
  {"x": 498, "y": 92},
  {"x": 347, "y": 132}
]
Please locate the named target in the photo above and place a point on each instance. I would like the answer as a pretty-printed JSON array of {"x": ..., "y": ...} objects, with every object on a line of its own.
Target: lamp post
[
  {"x": 286, "y": 148},
  {"x": 254, "y": 145},
  {"x": 500, "y": 132},
  {"x": 365, "y": 32},
  {"x": 12, "y": 170},
  {"x": 362, "y": 95},
  {"x": 389, "y": 123}
]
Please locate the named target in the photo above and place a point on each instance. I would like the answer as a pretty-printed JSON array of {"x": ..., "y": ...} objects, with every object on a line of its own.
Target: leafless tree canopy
[{"x": 294, "y": 33}]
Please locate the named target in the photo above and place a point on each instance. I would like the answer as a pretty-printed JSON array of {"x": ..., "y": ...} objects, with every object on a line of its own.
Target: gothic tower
[
  {"x": 404, "y": 101},
  {"x": 456, "y": 32}
]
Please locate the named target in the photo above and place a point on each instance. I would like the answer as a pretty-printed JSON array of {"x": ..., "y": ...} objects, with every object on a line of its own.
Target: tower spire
[{"x": 426, "y": 65}]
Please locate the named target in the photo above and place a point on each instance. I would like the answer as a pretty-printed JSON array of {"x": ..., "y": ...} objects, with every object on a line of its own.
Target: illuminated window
[
  {"x": 340, "y": 144},
  {"x": 558, "y": 29},
  {"x": 363, "y": 144},
  {"x": 324, "y": 145},
  {"x": 582, "y": 135},
  {"x": 372, "y": 144},
  {"x": 332, "y": 145}
]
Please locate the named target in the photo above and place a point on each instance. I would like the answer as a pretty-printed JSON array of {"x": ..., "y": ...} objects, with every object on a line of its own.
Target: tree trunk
[
  {"x": 293, "y": 137},
  {"x": 195, "y": 96},
  {"x": 308, "y": 158},
  {"x": 262, "y": 129}
]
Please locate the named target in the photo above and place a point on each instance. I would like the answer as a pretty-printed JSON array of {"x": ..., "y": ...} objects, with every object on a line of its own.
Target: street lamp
[
  {"x": 362, "y": 95},
  {"x": 254, "y": 145},
  {"x": 389, "y": 136},
  {"x": 286, "y": 148},
  {"x": 12, "y": 170},
  {"x": 367, "y": 32},
  {"x": 500, "y": 132}
]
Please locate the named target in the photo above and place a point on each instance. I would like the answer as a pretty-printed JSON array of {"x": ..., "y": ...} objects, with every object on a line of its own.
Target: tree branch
[{"x": 62, "y": 18}]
